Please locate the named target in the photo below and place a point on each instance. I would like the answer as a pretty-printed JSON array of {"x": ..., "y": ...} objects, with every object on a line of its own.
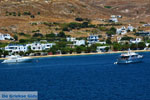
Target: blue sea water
[{"x": 90, "y": 77}]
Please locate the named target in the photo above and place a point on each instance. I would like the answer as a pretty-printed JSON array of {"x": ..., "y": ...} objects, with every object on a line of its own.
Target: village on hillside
[{"x": 113, "y": 35}]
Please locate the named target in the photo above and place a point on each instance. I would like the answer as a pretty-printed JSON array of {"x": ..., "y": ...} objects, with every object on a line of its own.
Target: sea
[{"x": 85, "y": 77}]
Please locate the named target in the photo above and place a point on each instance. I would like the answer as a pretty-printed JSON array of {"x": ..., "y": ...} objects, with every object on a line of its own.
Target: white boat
[
  {"x": 130, "y": 57},
  {"x": 16, "y": 59}
]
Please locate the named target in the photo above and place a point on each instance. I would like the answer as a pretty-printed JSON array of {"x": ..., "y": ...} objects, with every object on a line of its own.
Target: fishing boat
[
  {"x": 130, "y": 57},
  {"x": 16, "y": 59}
]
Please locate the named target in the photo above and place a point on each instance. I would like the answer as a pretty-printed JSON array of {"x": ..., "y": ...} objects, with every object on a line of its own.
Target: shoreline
[{"x": 62, "y": 55}]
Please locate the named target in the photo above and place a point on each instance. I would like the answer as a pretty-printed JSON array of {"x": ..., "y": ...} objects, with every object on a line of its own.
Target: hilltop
[{"x": 18, "y": 15}]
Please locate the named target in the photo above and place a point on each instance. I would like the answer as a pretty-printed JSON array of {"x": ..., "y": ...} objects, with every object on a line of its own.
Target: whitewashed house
[
  {"x": 24, "y": 48},
  {"x": 119, "y": 16},
  {"x": 137, "y": 40},
  {"x": 121, "y": 30},
  {"x": 16, "y": 48},
  {"x": 92, "y": 39},
  {"x": 79, "y": 42},
  {"x": 70, "y": 39},
  {"x": 113, "y": 18},
  {"x": 102, "y": 48},
  {"x": 146, "y": 25},
  {"x": 2, "y": 37},
  {"x": 5, "y": 37},
  {"x": 130, "y": 28},
  {"x": 147, "y": 44},
  {"x": 102, "y": 42},
  {"x": 40, "y": 46}
]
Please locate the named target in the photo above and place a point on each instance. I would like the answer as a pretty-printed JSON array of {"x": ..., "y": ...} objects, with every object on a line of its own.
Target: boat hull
[
  {"x": 136, "y": 60},
  {"x": 17, "y": 60}
]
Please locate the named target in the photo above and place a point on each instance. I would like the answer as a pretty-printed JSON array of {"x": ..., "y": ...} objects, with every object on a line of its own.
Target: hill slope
[{"x": 17, "y": 14}]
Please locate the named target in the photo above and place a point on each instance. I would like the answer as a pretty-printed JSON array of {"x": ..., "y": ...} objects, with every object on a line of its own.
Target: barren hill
[{"x": 17, "y": 14}]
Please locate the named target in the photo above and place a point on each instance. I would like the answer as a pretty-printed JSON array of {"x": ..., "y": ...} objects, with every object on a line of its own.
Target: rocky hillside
[
  {"x": 17, "y": 14},
  {"x": 79, "y": 8}
]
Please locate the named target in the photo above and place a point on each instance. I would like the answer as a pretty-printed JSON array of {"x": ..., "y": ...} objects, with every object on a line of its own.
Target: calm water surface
[{"x": 92, "y": 77}]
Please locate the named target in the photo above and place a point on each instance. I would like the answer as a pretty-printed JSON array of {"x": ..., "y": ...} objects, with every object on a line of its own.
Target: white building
[
  {"x": 92, "y": 39},
  {"x": 145, "y": 25},
  {"x": 147, "y": 44},
  {"x": 102, "y": 42},
  {"x": 121, "y": 30},
  {"x": 16, "y": 48},
  {"x": 79, "y": 42},
  {"x": 24, "y": 48},
  {"x": 2, "y": 37},
  {"x": 40, "y": 46},
  {"x": 124, "y": 30},
  {"x": 5, "y": 36},
  {"x": 70, "y": 39},
  {"x": 113, "y": 18},
  {"x": 102, "y": 48},
  {"x": 130, "y": 28},
  {"x": 137, "y": 40}
]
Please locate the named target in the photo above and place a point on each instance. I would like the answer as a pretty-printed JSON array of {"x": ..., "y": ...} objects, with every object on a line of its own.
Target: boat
[
  {"x": 130, "y": 57},
  {"x": 16, "y": 59}
]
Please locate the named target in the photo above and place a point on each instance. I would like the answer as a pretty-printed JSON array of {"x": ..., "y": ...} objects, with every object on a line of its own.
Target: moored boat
[
  {"x": 130, "y": 57},
  {"x": 16, "y": 59}
]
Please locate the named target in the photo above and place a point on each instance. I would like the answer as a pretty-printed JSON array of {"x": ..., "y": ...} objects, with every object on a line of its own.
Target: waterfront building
[
  {"x": 102, "y": 48},
  {"x": 16, "y": 48},
  {"x": 37, "y": 46},
  {"x": 24, "y": 48},
  {"x": 79, "y": 42},
  {"x": 92, "y": 39}
]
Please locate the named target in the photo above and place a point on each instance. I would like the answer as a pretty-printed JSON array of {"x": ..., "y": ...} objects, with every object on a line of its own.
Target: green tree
[
  {"x": 79, "y": 49},
  {"x": 93, "y": 47},
  {"x": 19, "y": 14},
  {"x": 74, "y": 25},
  {"x": 126, "y": 38},
  {"x": 133, "y": 46},
  {"x": 5, "y": 53},
  {"x": 107, "y": 49},
  {"x": 64, "y": 50},
  {"x": 51, "y": 35},
  {"x": 32, "y": 16},
  {"x": 125, "y": 46},
  {"x": 111, "y": 31},
  {"x": 108, "y": 41},
  {"x": 38, "y": 13},
  {"x": 22, "y": 41},
  {"x": 71, "y": 50},
  {"x": 79, "y": 19},
  {"x": 88, "y": 50},
  {"x": 37, "y": 35},
  {"x": 61, "y": 34},
  {"x": 1, "y": 53},
  {"x": 65, "y": 29},
  {"x": 16, "y": 37},
  {"x": 117, "y": 47},
  {"x": 84, "y": 25},
  {"x": 141, "y": 45},
  {"x": 21, "y": 53}
]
